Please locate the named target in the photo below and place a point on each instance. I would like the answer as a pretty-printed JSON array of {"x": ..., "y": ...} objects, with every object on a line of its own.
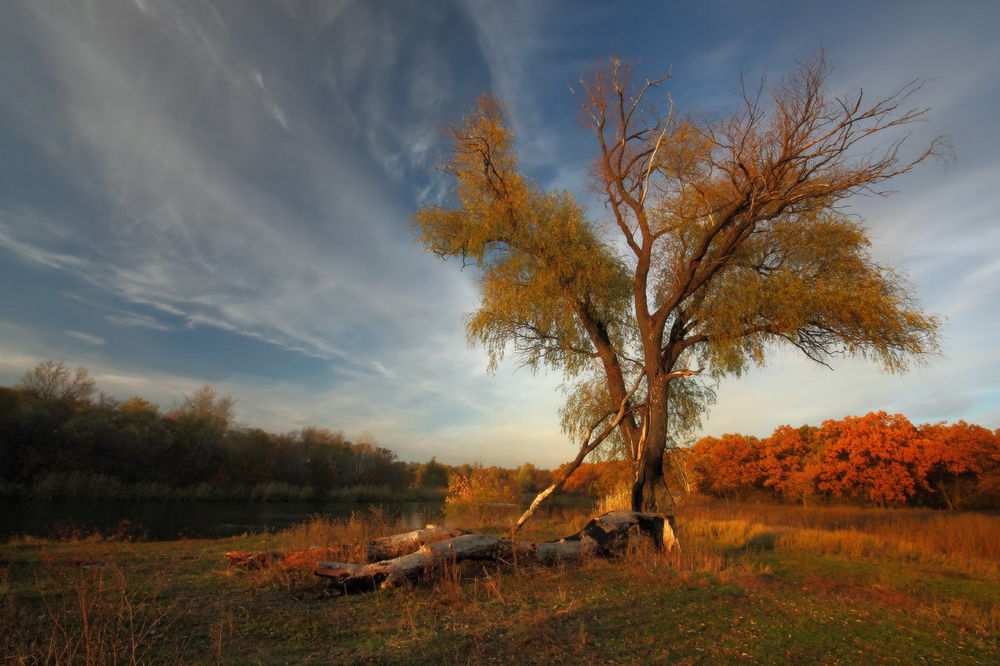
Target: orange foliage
[
  {"x": 963, "y": 462},
  {"x": 879, "y": 457},
  {"x": 482, "y": 485},
  {"x": 790, "y": 462},
  {"x": 727, "y": 465},
  {"x": 595, "y": 479}
]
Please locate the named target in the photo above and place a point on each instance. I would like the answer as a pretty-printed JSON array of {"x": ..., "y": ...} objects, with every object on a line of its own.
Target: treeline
[
  {"x": 57, "y": 442},
  {"x": 877, "y": 458}
]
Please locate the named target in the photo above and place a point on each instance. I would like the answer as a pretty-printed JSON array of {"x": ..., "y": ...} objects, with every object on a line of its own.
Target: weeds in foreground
[{"x": 88, "y": 614}]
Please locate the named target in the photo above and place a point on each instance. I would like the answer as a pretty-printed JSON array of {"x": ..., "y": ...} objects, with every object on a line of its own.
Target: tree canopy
[
  {"x": 53, "y": 380},
  {"x": 722, "y": 240}
]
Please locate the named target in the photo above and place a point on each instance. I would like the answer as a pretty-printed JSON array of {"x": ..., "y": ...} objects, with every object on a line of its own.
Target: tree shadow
[{"x": 762, "y": 542}]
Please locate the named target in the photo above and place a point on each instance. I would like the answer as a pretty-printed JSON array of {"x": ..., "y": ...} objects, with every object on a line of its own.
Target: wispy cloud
[
  {"x": 137, "y": 321},
  {"x": 198, "y": 184},
  {"x": 86, "y": 337}
]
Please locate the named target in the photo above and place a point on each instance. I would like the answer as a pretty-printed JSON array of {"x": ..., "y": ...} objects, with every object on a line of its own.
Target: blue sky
[{"x": 220, "y": 192}]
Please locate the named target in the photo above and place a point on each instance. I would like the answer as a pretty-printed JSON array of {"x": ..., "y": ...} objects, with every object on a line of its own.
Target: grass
[{"x": 751, "y": 583}]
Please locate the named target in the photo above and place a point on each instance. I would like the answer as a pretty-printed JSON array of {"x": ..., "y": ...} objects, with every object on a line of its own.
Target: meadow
[{"x": 752, "y": 583}]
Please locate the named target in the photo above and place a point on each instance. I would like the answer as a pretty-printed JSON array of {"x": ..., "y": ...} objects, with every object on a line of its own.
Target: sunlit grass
[
  {"x": 968, "y": 540},
  {"x": 749, "y": 582}
]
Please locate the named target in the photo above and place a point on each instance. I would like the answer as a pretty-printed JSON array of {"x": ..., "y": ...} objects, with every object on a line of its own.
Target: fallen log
[
  {"x": 414, "y": 555},
  {"x": 605, "y": 536},
  {"x": 388, "y": 547},
  {"x": 382, "y": 548}
]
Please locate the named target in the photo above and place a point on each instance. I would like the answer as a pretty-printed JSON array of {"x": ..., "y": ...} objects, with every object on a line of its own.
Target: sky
[{"x": 221, "y": 193}]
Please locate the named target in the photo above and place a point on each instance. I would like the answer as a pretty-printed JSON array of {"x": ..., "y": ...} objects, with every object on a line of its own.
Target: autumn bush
[
  {"x": 878, "y": 459},
  {"x": 596, "y": 479},
  {"x": 476, "y": 492},
  {"x": 483, "y": 485}
]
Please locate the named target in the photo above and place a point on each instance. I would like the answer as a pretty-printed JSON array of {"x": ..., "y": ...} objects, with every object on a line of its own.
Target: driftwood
[
  {"x": 388, "y": 547},
  {"x": 606, "y": 536}
]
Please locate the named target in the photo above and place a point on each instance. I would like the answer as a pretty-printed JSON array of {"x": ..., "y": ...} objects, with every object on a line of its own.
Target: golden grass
[
  {"x": 787, "y": 555},
  {"x": 967, "y": 540}
]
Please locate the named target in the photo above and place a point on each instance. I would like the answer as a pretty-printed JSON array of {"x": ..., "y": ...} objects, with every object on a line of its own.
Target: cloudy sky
[{"x": 221, "y": 192}]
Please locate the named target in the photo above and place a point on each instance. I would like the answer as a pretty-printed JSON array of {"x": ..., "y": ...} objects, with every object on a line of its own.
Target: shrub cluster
[{"x": 877, "y": 458}]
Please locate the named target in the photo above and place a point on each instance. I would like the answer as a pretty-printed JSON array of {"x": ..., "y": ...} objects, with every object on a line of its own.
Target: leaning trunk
[{"x": 649, "y": 486}]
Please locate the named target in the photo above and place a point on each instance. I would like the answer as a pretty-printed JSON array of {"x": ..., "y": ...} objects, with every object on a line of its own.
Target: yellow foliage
[{"x": 483, "y": 485}]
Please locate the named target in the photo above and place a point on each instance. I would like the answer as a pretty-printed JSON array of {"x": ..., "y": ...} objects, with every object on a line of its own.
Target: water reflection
[{"x": 159, "y": 521}]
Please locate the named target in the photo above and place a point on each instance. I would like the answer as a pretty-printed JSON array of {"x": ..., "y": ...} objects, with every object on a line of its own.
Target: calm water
[{"x": 172, "y": 520}]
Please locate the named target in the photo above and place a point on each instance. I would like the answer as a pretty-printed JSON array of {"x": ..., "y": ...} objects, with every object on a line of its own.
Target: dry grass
[
  {"x": 89, "y": 615},
  {"x": 619, "y": 499},
  {"x": 822, "y": 575},
  {"x": 350, "y": 535},
  {"x": 967, "y": 540},
  {"x": 323, "y": 539}
]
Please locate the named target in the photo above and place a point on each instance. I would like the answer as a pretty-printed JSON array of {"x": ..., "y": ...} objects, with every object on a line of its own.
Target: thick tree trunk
[{"x": 649, "y": 486}]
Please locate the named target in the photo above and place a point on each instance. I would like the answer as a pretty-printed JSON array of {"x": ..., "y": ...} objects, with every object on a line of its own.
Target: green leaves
[
  {"x": 725, "y": 240},
  {"x": 544, "y": 272},
  {"x": 807, "y": 280}
]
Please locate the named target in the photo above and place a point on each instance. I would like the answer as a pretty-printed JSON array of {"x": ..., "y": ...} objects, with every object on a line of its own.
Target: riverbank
[
  {"x": 798, "y": 586},
  {"x": 91, "y": 487}
]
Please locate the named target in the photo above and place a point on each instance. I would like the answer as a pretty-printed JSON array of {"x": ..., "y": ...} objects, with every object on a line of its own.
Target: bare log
[
  {"x": 422, "y": 552},
  {"x": 606, "y": 536},
  {"x": 388, "y": 547},
  {"x": 383, "y": 548}
]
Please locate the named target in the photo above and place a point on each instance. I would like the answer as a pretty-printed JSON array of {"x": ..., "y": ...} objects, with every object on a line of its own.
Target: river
[{"x": 160, "y": 521}]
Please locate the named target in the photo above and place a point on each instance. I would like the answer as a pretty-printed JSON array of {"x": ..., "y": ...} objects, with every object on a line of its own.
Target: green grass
[{"x": 739, "y": 591}]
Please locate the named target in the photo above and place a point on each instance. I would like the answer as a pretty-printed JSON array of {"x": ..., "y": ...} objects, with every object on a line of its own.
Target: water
[{"x": 160, "y": 521}]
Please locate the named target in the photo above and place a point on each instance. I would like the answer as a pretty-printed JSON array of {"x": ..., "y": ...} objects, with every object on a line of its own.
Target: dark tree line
[{"x": 53, "y": 434}]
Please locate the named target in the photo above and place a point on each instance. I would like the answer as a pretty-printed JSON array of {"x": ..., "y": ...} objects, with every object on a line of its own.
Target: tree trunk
[
  {"x": 649, "y": 487},
  {"x": 946, "y": 495}
]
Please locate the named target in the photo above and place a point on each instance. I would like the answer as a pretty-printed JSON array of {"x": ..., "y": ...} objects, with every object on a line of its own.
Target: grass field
[{"x": 752, "y": 583}]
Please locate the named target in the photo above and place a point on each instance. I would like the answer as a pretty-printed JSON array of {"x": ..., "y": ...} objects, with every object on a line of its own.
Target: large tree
[
  {"x": 723, "y": 239},
  {"x": 53, "y": 380}
]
